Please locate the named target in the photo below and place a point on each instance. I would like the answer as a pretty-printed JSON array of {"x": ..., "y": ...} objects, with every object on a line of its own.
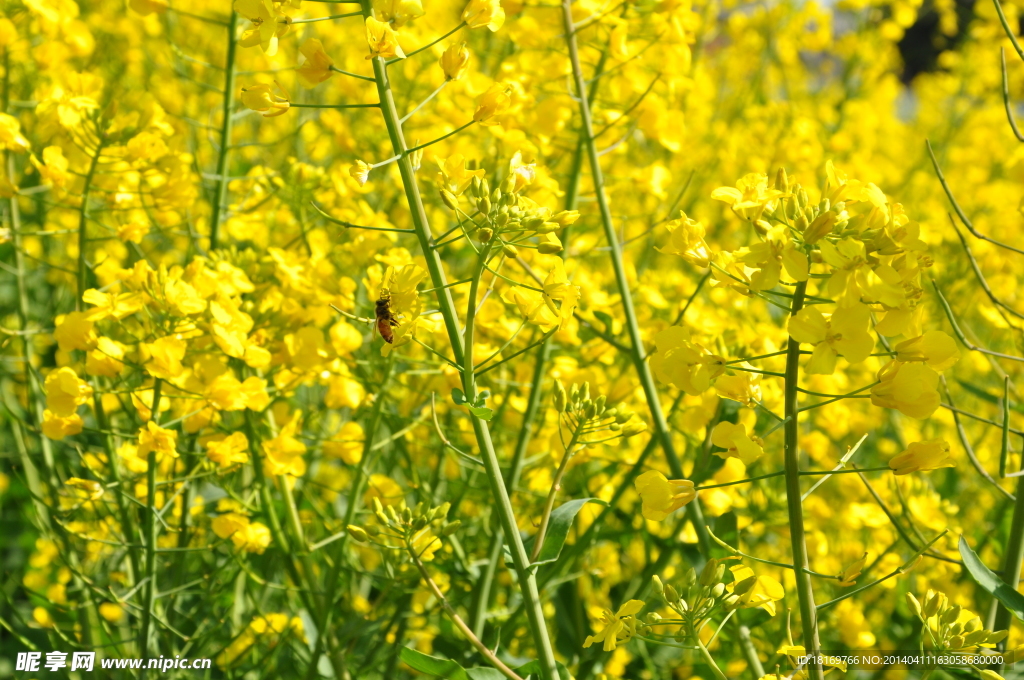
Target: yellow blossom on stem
[
  {"x": 360, "y": 171},
  {"x": 662, "y": 496},
  {"x": 619, "y": 627},
  {"x": 733, "y": 438},
  {"x": 934, "y": 348},
  {"x": 259, "y": 97},
  {"x": 56, "y": 427},
  {"x": 922, "y": 456},
  {"x": 282, "y": 455},
  {"x": 54, "y": 167},
  {"x": 147, "y": 7},
  {"x": 317, "y": 67},
  {"x": 11, "y": 138},
  {"x": 909, "y": 388},
  {"x": 684, "y": 364},
  {"x": 398, "y": 12},
  {"x": 229, "y": 450},
  {"x": 454, "y": 61},
  {"x": 382, "y": 39},
  {"x": 844, "y": 332},
  {"x": 154, "y": 438},
  {"x": 750, "y": 197},
  {"x": 454, "y": 176},
  {"x": 75, "y": 331},
  {"x": 847, "y": 577},
  {"x": 65, "y": 392},
  {"x": 267, "y": 25},
  {"x": 487, "y": 13},
  {"x": 106, "y": 359},
  {"x": 557, "y": 287},
  {"x": 753, "y": 590},
  {"x": 494, "y": 102},
  {"x": 686, "y": 238}
]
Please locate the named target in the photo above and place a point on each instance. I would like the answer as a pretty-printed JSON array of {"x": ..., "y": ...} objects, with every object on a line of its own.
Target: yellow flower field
[{"x": 538, "y": 340}]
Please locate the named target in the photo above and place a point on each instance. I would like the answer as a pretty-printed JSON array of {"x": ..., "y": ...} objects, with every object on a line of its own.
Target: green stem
[
  {"x": 83, "y": 221},
  {"x": 637, "y": 354},
  {"x": 805, "y": 592},
  {"x": 151, "y": 525},
  {"x": 221, "y": 194},
  {"x": 556, "y": 484},
  {"x": 503, "y": 506},
  {"x": 715, "y": 670},
  {"x": 1013, "y": 558}
]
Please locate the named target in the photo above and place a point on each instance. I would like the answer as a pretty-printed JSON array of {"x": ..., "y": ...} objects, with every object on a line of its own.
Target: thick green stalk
[
  {"x": 83, "y": 223},
  {"x": 637, "y": 354},
  {"x": 482, "y": 598},
  {"x": 223, "y": 157},
  {"x": 355, "y": 491},
  {"x": 151, "y": 525},
  {"x": 804, "y": 590},
  {"x": 1014, "y": 557},
  {"x": 527, "y": 580}
]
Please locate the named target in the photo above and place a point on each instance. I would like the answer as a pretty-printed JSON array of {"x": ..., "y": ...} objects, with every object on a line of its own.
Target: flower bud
[
  {"x": 565, "y": 217},
  {"x": 589, "y": 410},
  {"x": 707, "y": 574},
  {"x": 633, "y": 428},
  {"x": 357, "y": 533},
  {"x": 441, "y": 511},
  {"x": 951, "y": 614},
  {"x": 690, "y": 577},
  {"x": 782, "y": 180},
  {"x": 373, "y": 530},
  {"x": 419, "y": 522},
  {"x": 670, "y": 593},
  {"x": 485, "y": 234},
  {"x": 449, "y": 199},
  {"x": 820, "y": 227},
  {"x": 718, "y": 590},
  {"x": 509, "y": 185},
  {"x": 914, "y": 605},
  {"x": 378, "y": 510},
  {"x": 560, "y": 399},
  {"x": 658, "y": 586},
  {"x": 484, "y": 205},
  {"x": 599, "y": 403},
  {"x": 450, "y": 528},
  {"x": 510, "y": 251}
]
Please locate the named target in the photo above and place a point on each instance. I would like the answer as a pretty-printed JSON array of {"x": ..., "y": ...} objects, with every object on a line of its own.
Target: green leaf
[
  {"x": 558, "y": 529},
  {"x": 991, "y": 582},
  {"x": 459, "y": 397},
  {"x": 484, "y": 673},
  {"x": 481, "y": 412},
  {"x": 533, "y": 670},
  {"x": 441, "y": 668}
]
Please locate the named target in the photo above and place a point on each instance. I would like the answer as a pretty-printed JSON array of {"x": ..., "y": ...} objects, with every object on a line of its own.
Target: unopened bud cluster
[
  {"x": 593, "y": 413},
  {"x": 950, "y": 626},
  {"x": 405, "y": 522}
]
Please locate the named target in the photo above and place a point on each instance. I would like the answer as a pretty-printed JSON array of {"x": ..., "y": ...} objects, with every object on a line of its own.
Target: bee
[{"x": 386, "y": 321}]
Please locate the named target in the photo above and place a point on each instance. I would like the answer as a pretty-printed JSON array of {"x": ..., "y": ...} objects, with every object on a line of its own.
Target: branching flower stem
[
  {"x": 224, "y": 155},
  {"x": 446, "y": 305},
  {"x": 637, "y": 354},
  {"x": 556, "y": 484},
  {"x": 804, "y": 589},
  {"x": 457, "y": 620}
]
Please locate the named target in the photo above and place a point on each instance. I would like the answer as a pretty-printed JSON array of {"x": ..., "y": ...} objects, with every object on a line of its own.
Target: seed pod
[
  {"x": 357, "y": 533},
  {"x": 510, "y": 251}
]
